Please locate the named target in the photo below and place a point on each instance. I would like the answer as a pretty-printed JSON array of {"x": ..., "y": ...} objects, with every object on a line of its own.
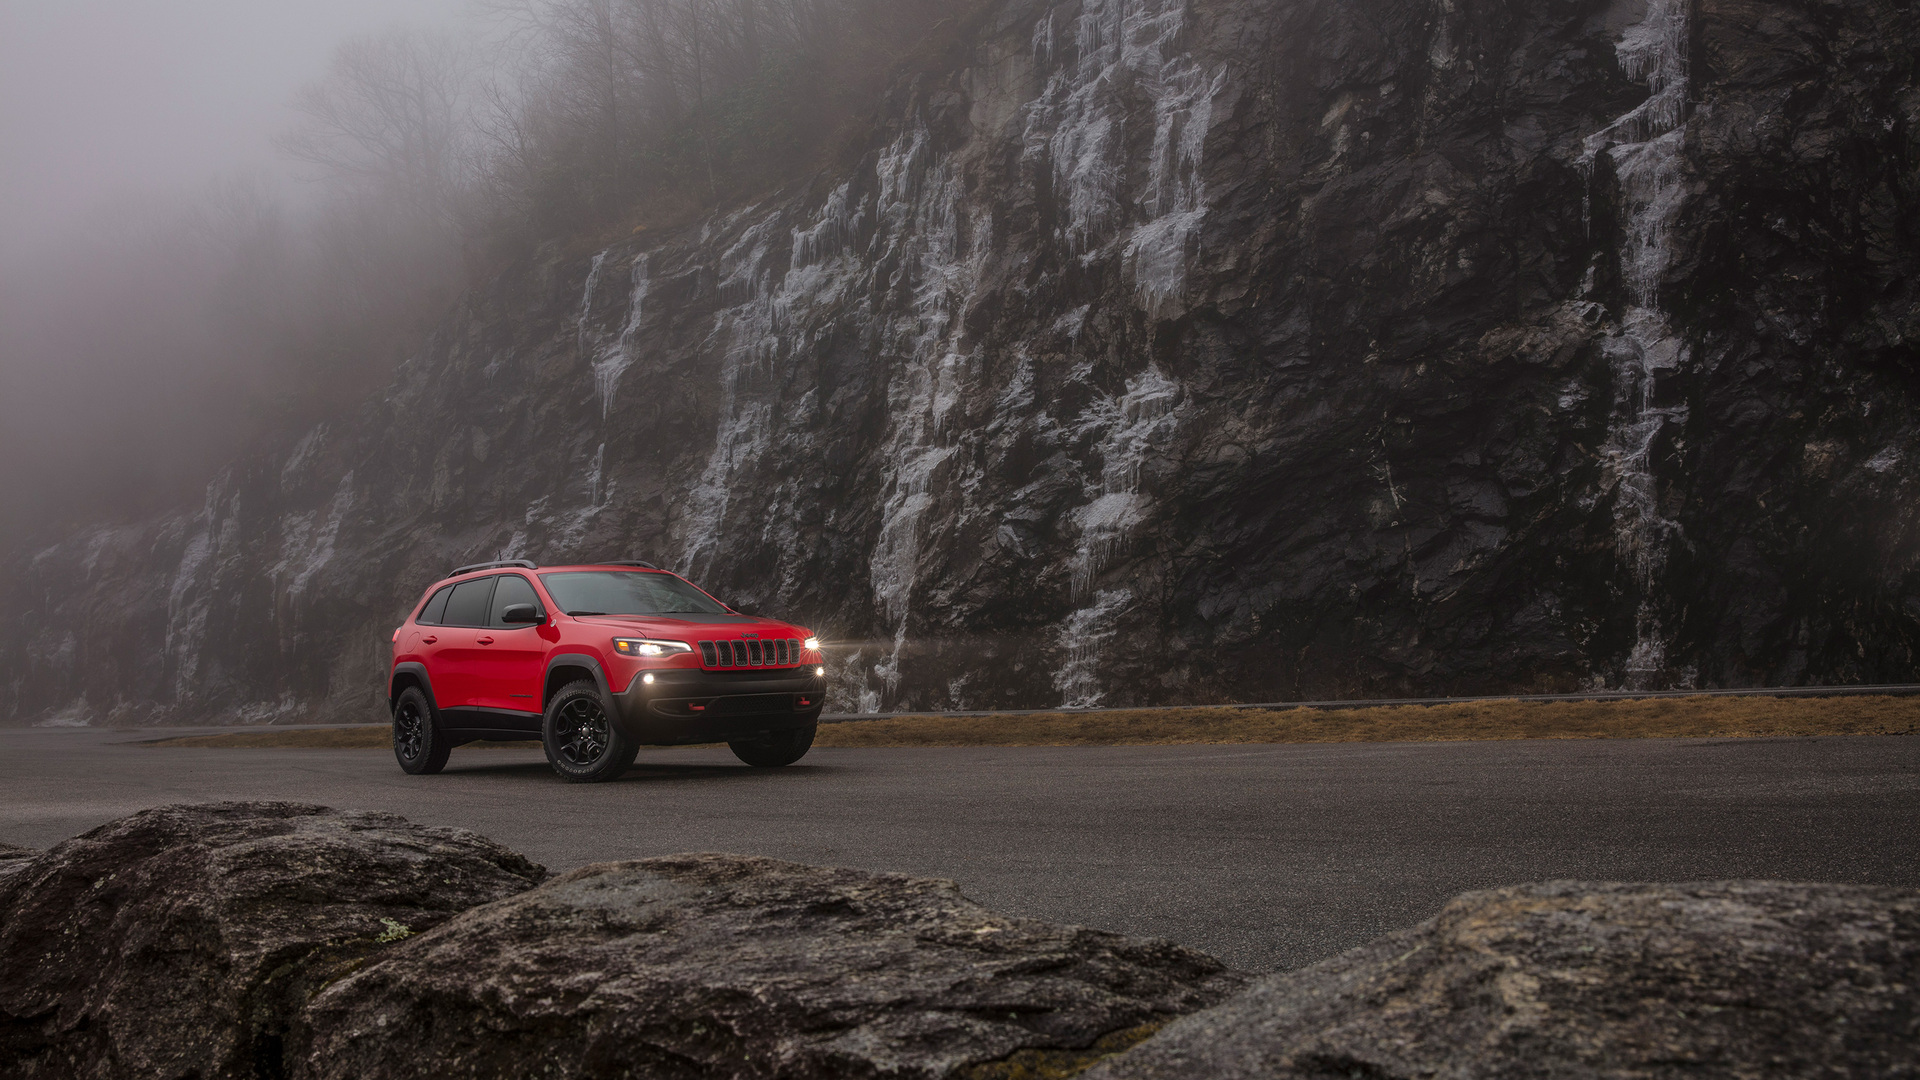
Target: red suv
[{"x": 596, "y": 660}]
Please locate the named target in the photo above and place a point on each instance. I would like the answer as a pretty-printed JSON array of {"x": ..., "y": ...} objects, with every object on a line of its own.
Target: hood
[{"x": 709, "y": 626}]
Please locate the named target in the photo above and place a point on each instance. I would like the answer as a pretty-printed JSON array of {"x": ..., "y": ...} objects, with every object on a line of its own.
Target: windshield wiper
[{"x": 586, "y": 613}]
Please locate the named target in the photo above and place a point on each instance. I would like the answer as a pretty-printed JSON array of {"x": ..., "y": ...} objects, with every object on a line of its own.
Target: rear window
[
  {"x": 436, "y": 608},
  {"x": 468, "y": 604},
  {"x": 626, "y": 592}
]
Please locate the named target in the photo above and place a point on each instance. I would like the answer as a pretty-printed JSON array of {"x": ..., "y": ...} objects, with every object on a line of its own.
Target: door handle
[
  {"x": 486, "y": 641},
  {"x": 428, "y": 640}
]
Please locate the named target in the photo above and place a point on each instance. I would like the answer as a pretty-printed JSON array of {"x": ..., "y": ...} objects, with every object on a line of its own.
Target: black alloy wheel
[
  {"x": 581, "y": 733},
  {"x": 417, "y": 744},
  {"x": 581, "y": 739}
]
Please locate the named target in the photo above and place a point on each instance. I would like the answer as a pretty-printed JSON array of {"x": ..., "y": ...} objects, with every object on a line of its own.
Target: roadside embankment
[{"x": 1639, "y": 718}]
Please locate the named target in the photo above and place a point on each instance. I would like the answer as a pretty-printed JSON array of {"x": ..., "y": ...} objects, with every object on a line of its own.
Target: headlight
[
  {"x": 810, "y": 643},
  {"x": 633, "y": 646}
]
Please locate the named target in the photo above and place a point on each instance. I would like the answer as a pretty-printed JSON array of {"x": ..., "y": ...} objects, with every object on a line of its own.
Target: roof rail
[
  {"x": 641, "y": 563},
  {"x": 468, "y": 569}
]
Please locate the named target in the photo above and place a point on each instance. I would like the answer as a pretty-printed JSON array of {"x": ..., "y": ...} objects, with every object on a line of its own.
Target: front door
[{"x": 513, "y": 655}]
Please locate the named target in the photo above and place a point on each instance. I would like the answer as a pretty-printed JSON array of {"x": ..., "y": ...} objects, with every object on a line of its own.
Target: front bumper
[{"x": 690, "y": 705}]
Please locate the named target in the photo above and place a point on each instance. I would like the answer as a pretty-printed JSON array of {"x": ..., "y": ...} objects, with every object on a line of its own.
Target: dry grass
[{"x": 1654, "y": 718}]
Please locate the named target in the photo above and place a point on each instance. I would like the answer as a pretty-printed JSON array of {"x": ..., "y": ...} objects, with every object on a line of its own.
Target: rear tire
[
  {"x": 772, "y": 749},
  {"x": 583, "y": 743},
  {"x": 418, "y": 743}
]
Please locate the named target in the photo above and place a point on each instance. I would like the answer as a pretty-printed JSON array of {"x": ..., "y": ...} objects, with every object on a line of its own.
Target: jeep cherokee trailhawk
[{"x": 595, "y": 661}]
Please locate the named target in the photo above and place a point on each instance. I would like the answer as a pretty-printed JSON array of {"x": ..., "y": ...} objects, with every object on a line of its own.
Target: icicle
[
  {"x": 618, "y": 357},
  {"x": 586, "y": 301}
]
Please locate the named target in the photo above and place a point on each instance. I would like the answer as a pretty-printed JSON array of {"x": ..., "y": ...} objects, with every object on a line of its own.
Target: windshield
[{"x": 626, "y": 592}]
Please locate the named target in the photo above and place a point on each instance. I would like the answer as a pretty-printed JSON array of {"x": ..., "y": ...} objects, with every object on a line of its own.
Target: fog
[
  {"x": 128, "y": 130},
  {"x": 106, "y": 98},
  {"x": 225, "y": 220}
]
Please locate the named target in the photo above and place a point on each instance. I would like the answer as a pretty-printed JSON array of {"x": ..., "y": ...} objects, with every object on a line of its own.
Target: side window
[
  {"x": 468, "y": 604},
  {"x": 436, "y": 608},
  {"x": 513, "y": 589}
]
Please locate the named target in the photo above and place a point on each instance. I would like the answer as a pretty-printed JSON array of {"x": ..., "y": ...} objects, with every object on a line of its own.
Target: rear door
[
  {"x": 456, "y": 679},
  {"x": 427, "y": 636},
  {"x": 512, "y": 655}
]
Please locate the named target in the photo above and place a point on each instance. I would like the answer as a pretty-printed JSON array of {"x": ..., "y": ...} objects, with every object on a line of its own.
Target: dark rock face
[
  {"x": 182, "y": 941},
  {"x": 1163, "y": 351},
  {"x": 728, "y": 966},
  {"x": 1573, "y": 979}
]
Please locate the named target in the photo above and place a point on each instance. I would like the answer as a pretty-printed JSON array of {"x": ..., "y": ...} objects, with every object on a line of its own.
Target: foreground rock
[
  {"x": 1571, "y": 979},
  {"x": 728, "y": 966},
  {"x": 181, "y": 941}
]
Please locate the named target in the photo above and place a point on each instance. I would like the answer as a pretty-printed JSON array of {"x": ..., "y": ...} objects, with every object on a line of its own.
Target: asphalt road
[{"x": 1266, "y": 856}]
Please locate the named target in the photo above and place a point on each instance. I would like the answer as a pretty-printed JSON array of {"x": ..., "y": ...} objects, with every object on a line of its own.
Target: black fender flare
[
  {"x": 576, "y": 660},
  {"x": 417, "y": 670}
]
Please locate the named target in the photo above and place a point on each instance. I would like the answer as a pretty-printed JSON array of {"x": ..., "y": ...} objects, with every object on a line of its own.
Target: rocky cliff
[{"x": 1162, "y": 350}]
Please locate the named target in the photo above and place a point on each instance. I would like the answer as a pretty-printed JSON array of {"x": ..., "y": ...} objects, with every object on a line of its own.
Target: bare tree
[{"x": 393, "y": 118}]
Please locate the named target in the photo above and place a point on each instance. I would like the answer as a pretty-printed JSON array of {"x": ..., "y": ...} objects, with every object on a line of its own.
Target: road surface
[{"x": 1265, "y": 856}]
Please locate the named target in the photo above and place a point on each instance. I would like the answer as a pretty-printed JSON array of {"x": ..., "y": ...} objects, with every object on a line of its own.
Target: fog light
[
  {"x": 647, "y": 678},
  {"x": 820, "y": 671}
]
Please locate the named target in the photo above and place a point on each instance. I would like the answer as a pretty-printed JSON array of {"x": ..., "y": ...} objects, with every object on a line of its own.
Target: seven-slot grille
[{"x": 774, "y": 652}]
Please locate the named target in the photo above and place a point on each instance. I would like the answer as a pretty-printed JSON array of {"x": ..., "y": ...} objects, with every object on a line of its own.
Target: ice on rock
[
  {"x": 1886, "y": 460},
  {"x": 594, "y": 476},
  {"x": 1132, "y": 428},
  {"x": 1158, "y": 252},
  {"x": 614, "y": 360},
  {"x": 586, "y": 301},
  {"x": 1085, "y": 634},
  {"x": 187, "y": 609},
  {"x": 1645, "y": 146},
  {"x": 921, "y": 230},
  {"x": 916, "y": 234},
  {"x": 765, "y": 326},
  {"x": 831, "y": 233},
  {"x": 190, "y": 594},
  {"x": 1080, "y": 122},
  {"x": 569, "y": 529},
  {"x": 308, "y": 541}
]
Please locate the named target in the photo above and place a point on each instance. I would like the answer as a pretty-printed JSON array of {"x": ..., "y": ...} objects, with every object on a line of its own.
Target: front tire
[
  {"x": 772, "y": 749},
  {"x": 583, "y": 743},
  {"x": 418, "y": 744}
]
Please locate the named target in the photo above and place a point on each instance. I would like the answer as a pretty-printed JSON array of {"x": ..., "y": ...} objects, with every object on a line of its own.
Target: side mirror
[{"x": 521, "y": 613}]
